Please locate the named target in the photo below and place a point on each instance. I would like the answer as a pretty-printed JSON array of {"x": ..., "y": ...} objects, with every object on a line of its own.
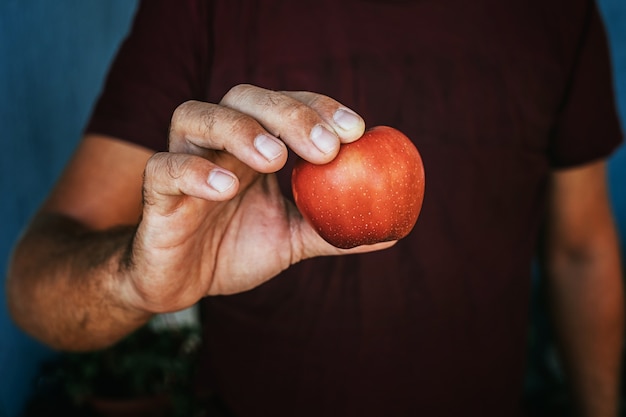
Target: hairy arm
[
  {"x": 585, "y": 287},
  {"x": 62, "y": 281},
  {"x": 128, "y": 233}
]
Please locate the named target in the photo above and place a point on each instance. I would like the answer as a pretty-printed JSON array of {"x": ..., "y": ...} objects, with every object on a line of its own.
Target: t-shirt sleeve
[
  {"x": 587, "y": 127},
  {"x": 162, "y": 63}
]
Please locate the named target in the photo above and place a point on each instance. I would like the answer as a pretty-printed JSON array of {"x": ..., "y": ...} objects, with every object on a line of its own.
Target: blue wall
[
  {"x": 53, "y": 56},
  {"x": 614, "y": 13}
]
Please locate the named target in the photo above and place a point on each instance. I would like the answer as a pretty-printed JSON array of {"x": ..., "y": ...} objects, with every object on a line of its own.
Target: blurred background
[{"x": 53, "y": 57}]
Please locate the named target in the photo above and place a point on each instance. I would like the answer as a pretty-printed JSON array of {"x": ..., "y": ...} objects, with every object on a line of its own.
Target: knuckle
[
  {"x": 193, "y": 121},
  {"x": 207, "y": 121},
  {"x": 317, "y": 100},
  {"x": 182, "y": 117},
  {"x": 238, "y": 124},
  {"x": 323, "y": 104},
  {"x": 297, "y": 112},
  {"x": 163, "y": 168},
  {"x": 182, "y": 112},
  {"x": 147, "y": 197},
  {"x": 236, "y": 93},
  {"x": 314, "y": 100},
  {"x": 150, "y": 170},
  {"x": 149, "y": 175},
  {"x": 175, "y": 168},
  {"x": 274, "y": 99},
  {"x": 222, "y": 126}
]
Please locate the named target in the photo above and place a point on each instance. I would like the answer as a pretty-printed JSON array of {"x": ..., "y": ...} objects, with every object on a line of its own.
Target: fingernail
[
  {"x": 346, "y": 119},
  {"x": 220, "y": 180},
  {"x": 323, "y": 139},
  {"x": 269, "y": 147}
]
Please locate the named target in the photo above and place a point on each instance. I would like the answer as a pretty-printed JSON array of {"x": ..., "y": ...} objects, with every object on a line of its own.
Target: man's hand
[
  {"x": 111, "y": 247},
  {"x": 214, "y": 220}
]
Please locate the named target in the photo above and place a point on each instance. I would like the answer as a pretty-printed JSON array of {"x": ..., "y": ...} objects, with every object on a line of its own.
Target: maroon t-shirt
[{"x": 495, "y": 94}]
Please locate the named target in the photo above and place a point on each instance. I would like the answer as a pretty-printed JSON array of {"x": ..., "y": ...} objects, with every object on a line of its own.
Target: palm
[
  {"x": 271, "y": 228},
  {"x": 198, "y": 249}
]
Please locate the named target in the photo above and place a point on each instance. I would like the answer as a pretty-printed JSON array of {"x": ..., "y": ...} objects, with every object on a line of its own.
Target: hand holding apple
[{"x": 371, "y": 192}]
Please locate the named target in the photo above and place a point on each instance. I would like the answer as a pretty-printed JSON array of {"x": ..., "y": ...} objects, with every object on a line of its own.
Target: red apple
[{"x": 371, "y": 192}]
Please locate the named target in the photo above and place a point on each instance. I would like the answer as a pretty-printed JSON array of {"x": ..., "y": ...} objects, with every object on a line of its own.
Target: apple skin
[{"x": 371, "y": 192}]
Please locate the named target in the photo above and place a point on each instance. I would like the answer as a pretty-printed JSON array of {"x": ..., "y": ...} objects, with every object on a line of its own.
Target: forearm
[
  {"x": 588, "y": 308},
  {"x": 64, "y": 284}
]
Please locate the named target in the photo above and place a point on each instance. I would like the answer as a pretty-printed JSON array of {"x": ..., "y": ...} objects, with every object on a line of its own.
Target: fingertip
[
  {"x": 324, "y": 140},
  {"x": 351, "y": 125},
  {"x": 272, "y": 149},
  {"x": 221, "y": 181}
]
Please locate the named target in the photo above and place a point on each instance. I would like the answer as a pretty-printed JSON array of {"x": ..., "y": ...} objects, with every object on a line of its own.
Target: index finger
[{"x": 312, "y": 125}]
